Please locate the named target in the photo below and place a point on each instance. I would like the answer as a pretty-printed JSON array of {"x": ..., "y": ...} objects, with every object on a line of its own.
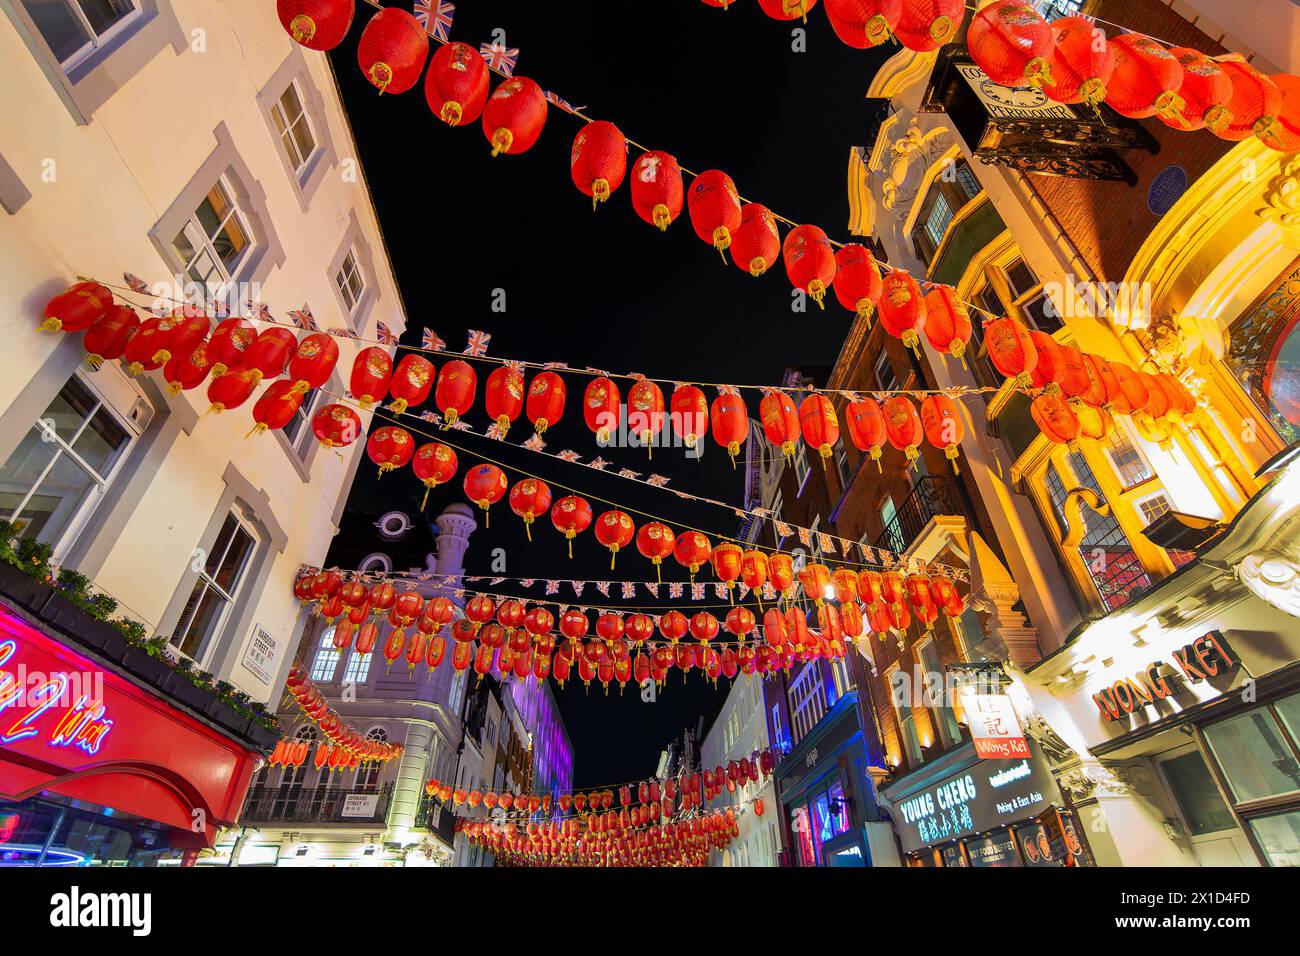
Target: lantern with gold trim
[
  {"x": 392, "y": 50},
  {"x": 76, "y": 308},
  {"x": 902, "y": 308},
  {"x": 926, "y": 25},
  {"x": 858, "y": 285},
  {"x": 657, "y": 190},
  {"x": 600, "y": 407},
  {"x": 598, "y": 160},
  {"x": 1082, "y": 62},
  {"x": 277, "y": 407},
  {"x": 434, "y": 464},
  {"x": 528, "y": 499},
  {"x": 184, "y": 372},
  {"x": 316, "y": 24},
  {"x": 713, "y": 205},
  {"x": 726, "y": 560},
  {"x": 730, "y": 420},
  {"x": 941, "y": 419},
  {"x": 1254, "y": 106},
  {"x": 514, "y": 116},
  {"x": 947, "y": 323},
  {"x": 809, "y": 261},
  {"x": 485, "y": 485},
  {"x": 820, "y": 425},
  {"x": 1055, "y": 419},
  {"x": 572, "y": 516},
  {"x": 1011, "y": 43},
  {"x": 372, "y": 370},
  {"x": 1011, "y": 349},
  {"x": 457, "y": 83},
  {"x": 411, "y": 383},
  {"x": 455, "y": 390},
  {"x": 780, "y": 421},
  {"x": 1205, "y": 92},
  {"x": 863, "y": 23},
  {"x": 1146, "y": 78},
  {"x": 615, "y": 530},
  {"x": 903, "y": 426},
  {"x": 867, "y": 428},
  {"x": 645, "y": 412},
  {"x": 390, "y": 447},
  {"x": 503, "y": 397},
  {"x": 109, "y": 336},
  {"x": 787, "y": 9},
  {"x": 545, "y": 403},
  {"x": 336, "y": 426},
  {"x": 692, "y": 549}
]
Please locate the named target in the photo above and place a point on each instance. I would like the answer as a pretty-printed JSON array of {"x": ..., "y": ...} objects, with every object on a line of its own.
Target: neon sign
[{"x": 52, "y": 706}]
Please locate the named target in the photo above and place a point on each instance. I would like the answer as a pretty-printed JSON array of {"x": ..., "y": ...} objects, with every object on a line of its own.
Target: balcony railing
[
  {"x": 295, "y": 804},
  {"x": 932, "y": 496}
]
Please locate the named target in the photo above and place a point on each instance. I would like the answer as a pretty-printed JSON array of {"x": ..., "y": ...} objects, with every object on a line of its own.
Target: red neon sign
[{"x": 62, "y": 708}]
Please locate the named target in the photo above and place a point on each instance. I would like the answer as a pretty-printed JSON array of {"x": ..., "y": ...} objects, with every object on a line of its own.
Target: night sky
[{"x": 604, "y": 289}]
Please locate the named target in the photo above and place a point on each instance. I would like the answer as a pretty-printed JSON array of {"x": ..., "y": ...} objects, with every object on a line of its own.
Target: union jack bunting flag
[
  {"x": 460, "y": 425},
  {"x": 866, "y": 552},
  {"x": 628, "y": 473},
  {"x": 744, "y": 590},
  {"x": 386, "y": 335},
  {"x": 515, "y": 364},
  {"x": 534, "y": 442},
  {"x": 782, "y": 529},
  {"x": 769, "y": 592},
  {"x": 302, "y": 318},
  {"x": 435, "y": 18},
  {"x": 652, "y": 588},
  {"x": 596, "y": 371},
  {"x": 527, "y": 582},
  {"x": 603, "y": 588},
  {"x": 552, "y": 587},
  {"x": 697, "y": 591},
  {"x": 675, "y": 589},
  {"x": 557, "y": 100},
  {"x": 550, "y": 366},
  {"x": 431, "y": 416},
  {"x": 477, "y": 343},
  {"x": 134, "y": 282},
  {"x": 636, "y": 376},
  {"x": 568, "y": 455},
  {"x": 495, "y": 432},
  {"x": 343, "y": 333},
  {"x": 728, "y": 390},
  {"x": 598, "y": 463},
  {"x": 499, "y": 57},
  {"x": 577, "y": 587},
  {"x": 629, "y": 589},
  {"x": 657, "y": 481},
  {"x": 429, "y": 340},
  {"x": 495, "y": 581},
  {"x": 259, "y": 311},
  {"x": 719, "y": 590},
  {"x": 806, "y": 537},
  {"x": 826, "y": 543}
]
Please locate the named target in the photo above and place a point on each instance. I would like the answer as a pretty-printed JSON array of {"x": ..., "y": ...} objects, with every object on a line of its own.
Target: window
[
  {"x": 1153, "y": 507},
  {"x": 217, "y": 584},
  {"x": 807, "y": 700},
  {"x": 63, "y": 465},
  {"x": 1279, "y": 838},
  {"x": 1055, "y": 9},
  {"x": 74, "y": 28},
  {"x": 927, "y": 655},
  {"x": 1105, "y": 550},
  {"x": 326, "y": 661},
  {"x": 1253, "y": 752},
  {"x": 778, "y": 731},
  {"x": 1130, "y": 464},
  {"x": 801, "y": 465},
  {"x": 351, "y": 284},
  {"x": 1196, "y": 794},
  {"x": 886, "y": 379},
  {"x": 358, "y": 668},
  {"x": 892, "y": 531},
  {"x": 213, "y": 239},
  {"x": 900, "y": 692},
  {"x": 950, "y": 192},
  {"x": 291, "y": 123},
  {"x": 936, "y": 223},
  {"x": 457, "y": 696}
]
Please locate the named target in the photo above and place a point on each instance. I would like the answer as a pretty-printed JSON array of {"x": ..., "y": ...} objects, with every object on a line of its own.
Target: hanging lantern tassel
[
  {"x": 733, "y": 449},
  {"x": 951, "y": 453}
]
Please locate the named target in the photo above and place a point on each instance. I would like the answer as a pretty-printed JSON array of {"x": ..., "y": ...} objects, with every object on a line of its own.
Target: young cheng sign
[
  {"x": 1204, "y": 661},
  {"x": 985, "y": 796}
]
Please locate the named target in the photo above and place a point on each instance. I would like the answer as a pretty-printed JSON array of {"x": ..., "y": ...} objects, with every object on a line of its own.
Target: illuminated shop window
[
  {"x": 1264, "y": 355},
  {"x": 326, "y": 661}
]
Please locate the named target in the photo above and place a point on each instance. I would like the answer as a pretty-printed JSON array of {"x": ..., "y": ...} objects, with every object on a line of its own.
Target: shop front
[
  {"x": 1180, "y": 713},
  {"x": 826, "y": 792},
  {"x": 95, "y": 769},
  {"x": 963, "y": 811}
]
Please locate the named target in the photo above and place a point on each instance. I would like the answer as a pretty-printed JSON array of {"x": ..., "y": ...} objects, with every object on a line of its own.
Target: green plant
[
  {"x": 7, "y": 535},
  {"x": 34, "y": 557},
  {"x": 134, "y": 632}
]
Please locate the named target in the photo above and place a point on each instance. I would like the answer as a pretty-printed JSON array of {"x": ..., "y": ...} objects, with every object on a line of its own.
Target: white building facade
[{"x": 740, "y": 730}]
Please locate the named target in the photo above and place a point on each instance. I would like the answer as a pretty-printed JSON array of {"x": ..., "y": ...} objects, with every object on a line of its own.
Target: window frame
[
  {"x": 203, "y": 651},
  {"x": 280, "y": 117},
  {"x": 206, "y": 246},
  {"x": 96, "y": 496}
]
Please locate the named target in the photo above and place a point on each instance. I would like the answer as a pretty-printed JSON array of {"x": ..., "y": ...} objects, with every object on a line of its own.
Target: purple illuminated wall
[{"x": 552, "y": 751}]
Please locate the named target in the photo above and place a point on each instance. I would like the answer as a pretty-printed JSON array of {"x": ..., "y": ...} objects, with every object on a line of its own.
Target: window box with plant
[{"x": 66, "y": 602}]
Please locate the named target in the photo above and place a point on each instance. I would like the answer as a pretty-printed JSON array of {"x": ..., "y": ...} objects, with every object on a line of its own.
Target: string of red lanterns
[{"x": 345, "y": 738}]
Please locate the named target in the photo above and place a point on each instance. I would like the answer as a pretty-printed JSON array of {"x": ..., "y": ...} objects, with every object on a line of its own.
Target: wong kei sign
[{"x": 1190, "y": 673}]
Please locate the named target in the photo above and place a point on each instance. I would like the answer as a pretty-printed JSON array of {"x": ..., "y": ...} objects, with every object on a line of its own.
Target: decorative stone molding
[
  {"x": 1273, "y": 578},
  {"x": 1282, "y": 202},
  {"x": 1049, "y": 742},
  {"x": 994, "y": 595},
  {"x": 1098, "y": 780}
]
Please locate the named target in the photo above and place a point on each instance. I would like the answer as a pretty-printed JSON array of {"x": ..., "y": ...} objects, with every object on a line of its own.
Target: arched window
[{"x": 368, "y": 778}]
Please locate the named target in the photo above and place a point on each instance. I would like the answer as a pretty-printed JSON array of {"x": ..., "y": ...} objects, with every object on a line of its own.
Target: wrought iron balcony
[
  {"x": 930, "y": 497},
  {"x": 431, "y": 815},
  {"x": 297, "y": 804}
]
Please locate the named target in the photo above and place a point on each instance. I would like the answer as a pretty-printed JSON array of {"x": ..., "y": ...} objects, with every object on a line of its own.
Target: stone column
[{"x": 994, "y": 595}]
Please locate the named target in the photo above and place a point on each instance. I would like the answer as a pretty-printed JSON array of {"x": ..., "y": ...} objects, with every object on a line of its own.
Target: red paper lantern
[
  {"x": 809, "y": 261},
  {"x": 866, "y": 424},
  {"x": 411, "y": 383},
  {"x": 780, "y": 421},
  {"x": 1285, "y": 134},
  {"x": 145, "y": 351},
  {"x": 726, "y": 560},
  {"x": 864, "y": 23},
  {"x": 1054, "y": 418},
  {"x": 645, "y": 411},
  {"x": 692, "y": 549},
  {"x": 615, "y": 530},
  {"x": 787, "y": 9},
  {"x": 485, "y": 485},
  {"x": 390, "y": 447},
  {"x": 313, "y": 361},
  {"x": 756, "y": 243},
  {"x": 1011, "y": 349},
  {"x": 1254, "y": 106},
  {"x": 903, "y": 426},
  {"x": 503, "y": 396},
  {"x": 600, "y": 407},
  {"x": 655, "y": 541},
  {"x": 1049, "y": 368},
  {"x": 457, "y": 84},
  {"x": 858, "y": 285},
  {"x": 270, "y": 353},
  {"x": 1204, "y": 94},
  {"x": 926, "y": 25},
  {"x": 336, "y": 426},
  {"x": 902, "y": 308},
  {"x": 434, "y": 464},
  {"x": 76, "y": 308},
  {"x": 455, "y": 390},
  {"x": 820, "y": 425},
  {"x": 231, "y": 390},
  {"x": 730, "y": 423},
  {"x": 108, "y": 337},
  {"x": 372, "y": 370},
  {"x": 673, "y": 626},
  {"x": 545, "y": 404},
  {"x": 1082, "y": 62},
  {"x": 947, "y": 323},
  {"x": 657, "y": 190},
  {"x": 714, "y": 207},
  {"x": 184, "y": 372},
  {"x": 598, "y": 161},
  {"x": 689, "y": 413},
  {"x": 1094, "y": 423},
  {"x": 528, "y": 499},
  {"x": 943, "y": 425},
  {"x": 572, "y": 516},
  {"x": 316, "y": 24},
  {"x": 514, "y": 116},
  {"x": 1011, "y": 43},
  {"x": 277, "y": 406},
  {"x": 1146, "y": 78},
  {"x": 392, "y": 50},
  {"x": 704, "y": 627}
]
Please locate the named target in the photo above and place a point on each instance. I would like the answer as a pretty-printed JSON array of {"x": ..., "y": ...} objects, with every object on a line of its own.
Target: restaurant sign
[
  {"x": 1200, "y": 663},
  {"x": 994, "y": 727},
  {"x": 986, "y": 796}
]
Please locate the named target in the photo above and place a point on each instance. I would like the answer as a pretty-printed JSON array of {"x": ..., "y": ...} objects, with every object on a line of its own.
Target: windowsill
[{"x": 302, "y": 467}]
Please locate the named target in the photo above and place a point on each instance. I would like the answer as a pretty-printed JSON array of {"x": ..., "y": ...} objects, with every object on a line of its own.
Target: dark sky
[{"x": 604, "y": 289}]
